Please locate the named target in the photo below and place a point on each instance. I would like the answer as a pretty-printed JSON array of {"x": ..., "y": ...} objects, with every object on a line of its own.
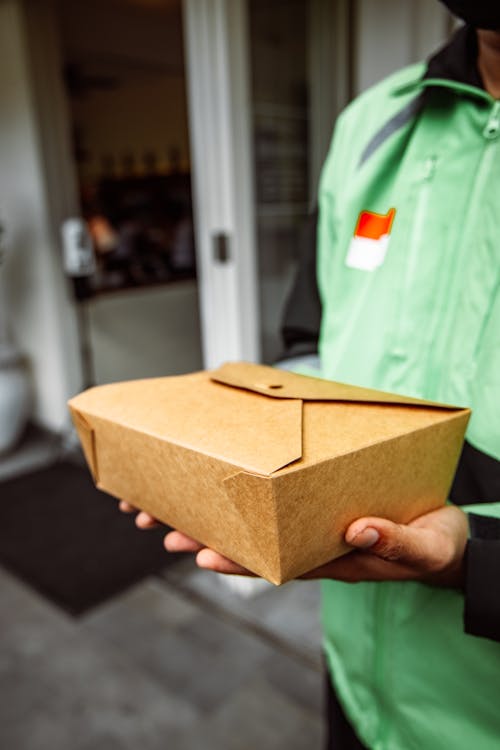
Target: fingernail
[
  {"x": 203, "y": 558},
  {"x": 366, "y": 538}
]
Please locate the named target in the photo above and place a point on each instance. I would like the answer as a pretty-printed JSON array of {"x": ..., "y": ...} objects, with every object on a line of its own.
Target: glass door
[{"x": 299, "y": 82}]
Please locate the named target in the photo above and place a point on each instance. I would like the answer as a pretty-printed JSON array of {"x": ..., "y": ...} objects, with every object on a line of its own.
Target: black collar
[{"x": 457, "y": 61}]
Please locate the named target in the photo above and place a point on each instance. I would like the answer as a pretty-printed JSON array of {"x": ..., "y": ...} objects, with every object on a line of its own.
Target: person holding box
[{"x": 406, "y": 299}]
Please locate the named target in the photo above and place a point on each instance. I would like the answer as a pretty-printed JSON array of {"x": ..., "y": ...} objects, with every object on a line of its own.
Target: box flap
[
  {"x": 270, "y": 381},
  {"x": 87, "y": 439},
  {"x": 256, "y": 434}
]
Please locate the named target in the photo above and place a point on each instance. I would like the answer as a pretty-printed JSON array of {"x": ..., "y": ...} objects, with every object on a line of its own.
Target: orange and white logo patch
[{"x": 369, "y": 245}]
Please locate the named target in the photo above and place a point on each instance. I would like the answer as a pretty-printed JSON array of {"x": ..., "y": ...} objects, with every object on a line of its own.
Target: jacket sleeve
[
  {"x": 482, "y": 569},
  {"x": 478, "y": 477}
]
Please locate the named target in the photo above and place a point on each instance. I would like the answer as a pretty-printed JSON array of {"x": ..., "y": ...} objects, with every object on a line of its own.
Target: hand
[{"x": 429, "y": 549}]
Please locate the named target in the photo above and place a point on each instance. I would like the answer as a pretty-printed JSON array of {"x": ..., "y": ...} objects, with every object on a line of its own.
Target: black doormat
[{"x": 68, "y": 540}]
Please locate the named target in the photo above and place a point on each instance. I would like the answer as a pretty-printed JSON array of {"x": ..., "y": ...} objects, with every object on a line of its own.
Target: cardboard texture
[{"x": 268, "y": 467}]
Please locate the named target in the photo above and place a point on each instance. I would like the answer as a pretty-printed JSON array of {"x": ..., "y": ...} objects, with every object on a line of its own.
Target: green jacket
[{"x": 413, "y": 306}]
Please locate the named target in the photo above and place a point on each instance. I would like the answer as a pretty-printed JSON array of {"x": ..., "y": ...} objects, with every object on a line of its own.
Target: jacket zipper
[
  {"x": 429, "y": 167},
  {"x": 491, "y": 132}
]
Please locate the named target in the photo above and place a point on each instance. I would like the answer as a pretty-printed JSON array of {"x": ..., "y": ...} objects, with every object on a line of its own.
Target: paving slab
[
  {"x": 199, "y": 655},
  {"x": 289, "y": 613},
  {"x": 255, "y": 717},
  {"x": 63, "y": 688},
  {"x": 151, "y": 668}
]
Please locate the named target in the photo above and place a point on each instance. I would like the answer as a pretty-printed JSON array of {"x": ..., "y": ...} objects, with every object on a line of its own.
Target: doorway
[
  {"x": 299, "y": 82},
  {"x": 124, "y": 75}
]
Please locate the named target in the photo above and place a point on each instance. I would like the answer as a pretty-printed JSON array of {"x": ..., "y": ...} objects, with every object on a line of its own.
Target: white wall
[
  {"x": 390, "y": 34},
  {"x": 41, "y": 313}
]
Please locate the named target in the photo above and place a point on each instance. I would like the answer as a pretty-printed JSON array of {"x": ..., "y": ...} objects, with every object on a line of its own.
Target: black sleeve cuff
[
  {"x": 484, "y": 527},
  {"x": 482, "y": 588}
]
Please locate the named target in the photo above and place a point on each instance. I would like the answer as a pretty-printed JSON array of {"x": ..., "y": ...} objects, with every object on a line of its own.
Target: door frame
[{"x": 220, "y": 123}]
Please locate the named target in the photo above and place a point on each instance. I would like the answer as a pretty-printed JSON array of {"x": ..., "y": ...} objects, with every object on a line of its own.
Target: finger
[
  {"x": 175, "y": 541},
  {"x": 145, "y": 521},
  {"x": 420, "y": 548},
  {"x": 211, "y": 560},
  {"x": 126, "y": 507}
]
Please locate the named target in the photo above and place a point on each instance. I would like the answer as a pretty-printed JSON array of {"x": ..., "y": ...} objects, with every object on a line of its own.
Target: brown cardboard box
[{"x": 265, "y": 466}]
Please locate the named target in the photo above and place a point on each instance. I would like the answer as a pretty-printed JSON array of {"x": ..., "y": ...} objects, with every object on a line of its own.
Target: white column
[
  {"x": 36, "y": 192},
  {"x": 220, "y": 129}
]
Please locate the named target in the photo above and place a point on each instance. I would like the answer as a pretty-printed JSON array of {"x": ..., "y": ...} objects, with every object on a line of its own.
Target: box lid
[
  {"x": 275, "y": 383},
  {"x": 206, "y": 412}
]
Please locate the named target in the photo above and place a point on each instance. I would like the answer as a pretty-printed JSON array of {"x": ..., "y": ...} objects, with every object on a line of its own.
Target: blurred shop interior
[{"x": 125, "y": 85}]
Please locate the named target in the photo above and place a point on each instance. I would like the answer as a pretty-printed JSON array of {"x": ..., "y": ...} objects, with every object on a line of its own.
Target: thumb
[{"x": 391, "y": 541}]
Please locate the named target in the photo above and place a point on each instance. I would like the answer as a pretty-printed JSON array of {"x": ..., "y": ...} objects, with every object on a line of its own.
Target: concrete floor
[{"x": 178, "y": 661}]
